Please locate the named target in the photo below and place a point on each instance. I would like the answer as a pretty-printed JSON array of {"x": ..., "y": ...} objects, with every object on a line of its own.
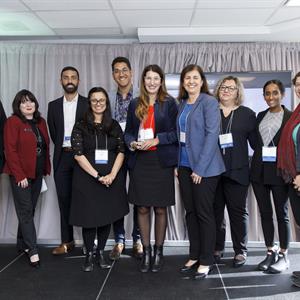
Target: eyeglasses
[
  {"x": 96, "y": 101},
  {"x": 230, "y": 89},
  {"x": 119, "y": 71}
]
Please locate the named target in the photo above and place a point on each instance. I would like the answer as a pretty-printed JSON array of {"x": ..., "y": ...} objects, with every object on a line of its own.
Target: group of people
[{"x": 201, "y": 138}]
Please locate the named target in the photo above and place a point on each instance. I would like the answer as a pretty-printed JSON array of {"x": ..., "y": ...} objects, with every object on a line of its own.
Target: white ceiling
[{"x": 149, "y": 20}]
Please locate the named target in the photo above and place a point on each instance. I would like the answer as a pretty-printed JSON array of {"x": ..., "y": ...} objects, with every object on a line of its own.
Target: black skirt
[
  {"x": 94, "y": 204},
  {"x": 150, "y": 184}
]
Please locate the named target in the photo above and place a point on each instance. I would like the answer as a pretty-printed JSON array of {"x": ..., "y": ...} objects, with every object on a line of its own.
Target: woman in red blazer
[{"x": 26, "y": 147}]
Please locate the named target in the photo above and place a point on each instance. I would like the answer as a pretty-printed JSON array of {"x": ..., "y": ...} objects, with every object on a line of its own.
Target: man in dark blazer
[
  {"x": 2, "y": 121},
  {"x": 62, "y": 115}
]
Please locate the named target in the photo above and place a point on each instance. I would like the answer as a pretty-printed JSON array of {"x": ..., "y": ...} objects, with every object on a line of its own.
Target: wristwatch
[{"x": 97, "y": 177}]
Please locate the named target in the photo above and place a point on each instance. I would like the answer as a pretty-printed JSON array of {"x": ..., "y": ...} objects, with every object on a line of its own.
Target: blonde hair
[{"x": 240, "y": 89}]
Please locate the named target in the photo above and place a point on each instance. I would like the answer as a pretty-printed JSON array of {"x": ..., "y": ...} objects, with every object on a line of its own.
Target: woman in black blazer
[
  {"x": 150, "y": 134},
  {"x": 265, "y": 179},
  {"x": 238, "y": 123}
]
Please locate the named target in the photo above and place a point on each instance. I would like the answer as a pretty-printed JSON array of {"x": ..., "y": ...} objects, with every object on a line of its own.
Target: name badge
[
  {"x": 123, "y": 125},
  {"x": 182, "y": 137},
  {"x": 145, "y": 134},
  {"x": 226, "y": 140},
  {"x": 67, "y": 138},
  {"x": 269, "y": 154},
  {"x": 101, "y": 157}
]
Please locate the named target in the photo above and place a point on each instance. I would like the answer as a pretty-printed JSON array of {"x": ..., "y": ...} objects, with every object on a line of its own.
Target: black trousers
[
  {"x": 234, "y": 196},
  {"x": 280, "y": 197},
  {"x": 25, "y": 200},
  {"x": 295, "y": 203},
  {"x": 89, "y": 235},
  {"x": 198, "y": 200},
  {"x": 63, "y": 181}
]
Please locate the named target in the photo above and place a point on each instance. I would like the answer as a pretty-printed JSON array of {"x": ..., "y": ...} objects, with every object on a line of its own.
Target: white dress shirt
[{"x": 69, "y": 119}]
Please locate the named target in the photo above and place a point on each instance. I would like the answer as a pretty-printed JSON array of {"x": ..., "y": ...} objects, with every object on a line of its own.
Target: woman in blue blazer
[
  {"x": 151, "y": 136},
  {"x": 200, "y": 165}
]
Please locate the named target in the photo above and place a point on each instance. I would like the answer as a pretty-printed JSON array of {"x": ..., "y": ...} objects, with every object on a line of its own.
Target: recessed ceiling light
[{"x": 292, "y": 3}]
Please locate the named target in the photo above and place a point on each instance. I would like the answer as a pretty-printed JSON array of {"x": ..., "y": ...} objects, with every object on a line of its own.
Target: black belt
[{"x": 67, "y": 149}]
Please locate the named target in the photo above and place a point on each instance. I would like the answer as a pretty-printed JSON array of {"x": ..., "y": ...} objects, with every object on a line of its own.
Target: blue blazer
[
  {"x": 165, "y": 130},
  {"x": 202, "y": 133}
]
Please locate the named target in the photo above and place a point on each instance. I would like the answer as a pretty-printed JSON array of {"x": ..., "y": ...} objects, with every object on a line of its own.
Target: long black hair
[
  {"x": 25, "y": 95},
  {"x": 107, "y": 118}
]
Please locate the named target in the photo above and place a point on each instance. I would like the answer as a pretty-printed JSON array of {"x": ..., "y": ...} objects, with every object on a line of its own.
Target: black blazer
[
  {"x": 55, "y": 121},
  {"x": 2, "y": 121},
  {"x": 165, "y": 129},
  {"x": 266, "y": 172},
  {"x": 236, "y": 159}
]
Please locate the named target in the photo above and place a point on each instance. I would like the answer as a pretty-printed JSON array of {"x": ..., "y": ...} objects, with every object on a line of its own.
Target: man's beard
[{"x": 70, "y": 88}]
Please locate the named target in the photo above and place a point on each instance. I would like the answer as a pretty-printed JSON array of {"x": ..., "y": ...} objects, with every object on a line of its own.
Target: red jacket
[{"x": 20, "y": 148}]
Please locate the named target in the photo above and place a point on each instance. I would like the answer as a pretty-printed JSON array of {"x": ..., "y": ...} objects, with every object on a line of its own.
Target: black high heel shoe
[
  {"x": 146, "y": 260},
  {"x": 158, "y": 258},
  {"x": 187, "y": 269},
  {"x": 202, "y": 275},
  {"x": 218, "y": 256}
]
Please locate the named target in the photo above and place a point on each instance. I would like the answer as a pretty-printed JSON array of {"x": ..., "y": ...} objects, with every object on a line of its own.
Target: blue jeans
[{"x": 119, "y": 231}]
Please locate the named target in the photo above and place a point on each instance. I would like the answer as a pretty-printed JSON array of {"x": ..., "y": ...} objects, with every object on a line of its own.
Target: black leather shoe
[
  {"x": 187, "y": 269},
  {"x": 101, "y": 261},
  {"x": 146, "y": 260},
  {"x": 239, "y": 260},
  {"x": 296, "y": 282},
  {"x": 202, "y": 275},
  {"x": 296, "y": 274},
  {"x": 34, "y": 261},
  {"x": 88, "y": 265},
  {"x": 270, "y": 259},
  {"x": 218, "y": 256},
  {"x": 281, "y": 265},
  {"x": 158, "y": 259}
]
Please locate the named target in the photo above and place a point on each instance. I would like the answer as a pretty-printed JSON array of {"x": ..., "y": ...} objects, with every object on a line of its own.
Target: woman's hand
[
  {"x": 107, "y": 179},
  {"x": 23, "y": 183},
  {"x": 145, "y": 145},
  {"x": 296, "y": 182},
  {"x": 135, "y": 145},
  {"x": 196, "y": 178}
]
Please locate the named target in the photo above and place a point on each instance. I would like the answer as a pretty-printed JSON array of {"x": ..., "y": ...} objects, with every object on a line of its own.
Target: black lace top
[{"x": 85, "y": 136}]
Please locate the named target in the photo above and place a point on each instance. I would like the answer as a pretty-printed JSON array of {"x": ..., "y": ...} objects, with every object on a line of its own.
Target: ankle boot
[
  {"x": 88, "y": 262},
  {"x": 146, "y": 260},
  {"x": 101, "y": 261},
  {"x": 158, "y": 258}
]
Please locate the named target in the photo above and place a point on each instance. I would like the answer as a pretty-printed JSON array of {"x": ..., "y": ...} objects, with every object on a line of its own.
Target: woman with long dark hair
[
  {"x": 199, "y": 167},
  {"x": 151, "y": 135},
  {"x": 98, "y": 192},
  {"x": 26, "y": 144},
  {"x": 264, "y": 177}
]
